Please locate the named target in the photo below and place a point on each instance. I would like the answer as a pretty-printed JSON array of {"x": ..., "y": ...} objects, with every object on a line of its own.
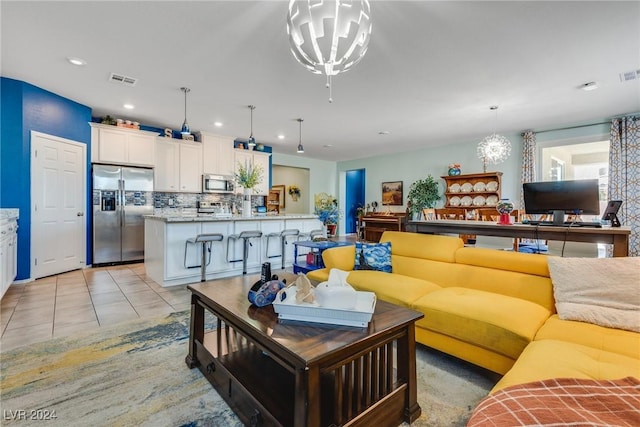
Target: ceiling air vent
[
  {"x": 630, "y": 75},
  {"x": 124, "y": 80}
]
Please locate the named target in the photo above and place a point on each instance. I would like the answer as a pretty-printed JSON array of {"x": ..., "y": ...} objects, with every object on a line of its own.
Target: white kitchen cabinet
[
  {"x": 8, "y": 248},
  {"x": 217, "y": 154},
  {"x": 246, "y": 157},
  {"x": 164, "y": 246},
  {"x": 122, "y": 146},
  {"x": 190, "y": 167},
  {"x": 167, "y": 167},
  {"x": 178, "y": 166}
]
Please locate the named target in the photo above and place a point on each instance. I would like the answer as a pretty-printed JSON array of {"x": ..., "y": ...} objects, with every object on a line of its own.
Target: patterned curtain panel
[
  {"x": 624, "y": 175},
  {"x": 528, "y": 161}
]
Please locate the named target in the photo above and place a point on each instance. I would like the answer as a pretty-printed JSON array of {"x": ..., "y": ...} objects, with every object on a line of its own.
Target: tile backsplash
[{"x": 164, "y": 201}]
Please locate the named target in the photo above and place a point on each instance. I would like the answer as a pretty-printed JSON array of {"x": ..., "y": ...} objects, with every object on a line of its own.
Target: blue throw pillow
[{"x": 373, "y": 256}]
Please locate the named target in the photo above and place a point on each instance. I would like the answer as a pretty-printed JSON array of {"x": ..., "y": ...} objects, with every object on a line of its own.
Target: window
[{"x": 585, "y": 160}]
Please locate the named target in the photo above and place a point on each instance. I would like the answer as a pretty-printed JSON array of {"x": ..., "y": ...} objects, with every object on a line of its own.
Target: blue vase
[{"x": 454, "y": 171}]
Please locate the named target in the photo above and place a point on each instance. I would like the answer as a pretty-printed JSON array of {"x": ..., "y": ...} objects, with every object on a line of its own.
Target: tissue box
[{"x": 287, "y": 309}]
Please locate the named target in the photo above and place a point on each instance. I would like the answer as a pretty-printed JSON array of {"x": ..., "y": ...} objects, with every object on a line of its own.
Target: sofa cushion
[
  {"x": 427, "y": 246},
  {"x": 602, "y": 291},
  {"x": 546, "y": 359},
  {"x": 536, "y": 289},
  {"x": 501, "y": 323},
  {"x": 618, "y": 341},
  {"x": 504, "y": 260},
  {"x": 373, "y": 256},
  {"x": 393, "y": 288}
]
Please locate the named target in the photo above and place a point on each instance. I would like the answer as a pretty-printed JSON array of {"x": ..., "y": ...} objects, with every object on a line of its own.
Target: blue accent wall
[
  {"x": 354, "y": 197},
  {"x": 25, "y": 108}
]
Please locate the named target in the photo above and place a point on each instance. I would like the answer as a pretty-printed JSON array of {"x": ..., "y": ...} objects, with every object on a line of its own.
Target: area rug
[{"x": 133, "y": 374}]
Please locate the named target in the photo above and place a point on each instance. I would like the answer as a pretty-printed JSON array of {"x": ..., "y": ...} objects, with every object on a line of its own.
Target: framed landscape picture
[{"x": 392, "y": 193}]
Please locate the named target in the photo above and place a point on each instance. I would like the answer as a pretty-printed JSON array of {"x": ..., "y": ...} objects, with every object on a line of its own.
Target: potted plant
[
  {"x": 248, "y": 176},
  {"x": 326, "y": 207},
  {"x": 424, "y": 193}
]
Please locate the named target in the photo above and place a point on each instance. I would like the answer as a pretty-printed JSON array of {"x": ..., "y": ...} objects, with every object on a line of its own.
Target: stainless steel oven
[{"x": 217, "y": 184}]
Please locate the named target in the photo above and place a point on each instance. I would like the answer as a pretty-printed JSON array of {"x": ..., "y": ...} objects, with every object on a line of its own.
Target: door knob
[{"x": 80, "y": 214}]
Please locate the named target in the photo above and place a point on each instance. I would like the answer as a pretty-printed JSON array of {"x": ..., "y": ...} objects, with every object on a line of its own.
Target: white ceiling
[{"x": 431, "y": 73}]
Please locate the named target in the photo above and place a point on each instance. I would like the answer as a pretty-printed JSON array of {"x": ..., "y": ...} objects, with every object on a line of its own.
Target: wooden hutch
[{"x": 470, "y": 191}]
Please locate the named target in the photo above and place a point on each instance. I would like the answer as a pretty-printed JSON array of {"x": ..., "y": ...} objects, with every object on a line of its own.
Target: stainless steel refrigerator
[{"x": 121, "y": 196}]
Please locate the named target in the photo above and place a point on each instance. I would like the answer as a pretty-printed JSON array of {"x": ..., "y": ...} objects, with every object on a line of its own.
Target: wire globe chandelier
[
  {"x": 494, "y": 148},
  {"x": 329, "y": 37}
]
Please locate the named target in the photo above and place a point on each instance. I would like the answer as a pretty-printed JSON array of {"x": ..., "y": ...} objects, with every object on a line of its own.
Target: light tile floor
[{"x": 82, "y": 300}]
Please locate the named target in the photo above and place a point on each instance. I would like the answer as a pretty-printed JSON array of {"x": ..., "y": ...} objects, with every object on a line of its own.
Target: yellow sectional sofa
[{"x": 492, "y": 308}]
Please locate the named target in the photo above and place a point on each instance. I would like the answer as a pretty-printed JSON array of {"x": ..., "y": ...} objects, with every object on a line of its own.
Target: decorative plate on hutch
[
  {"x": 479, "y": 187},
  {"x": 466, "y": 200},
  {"x": 455, "y": 188},
  {"x": 454, "y": 201},
  {"x": 492, "y": 186},
  {"x": 466, "y": 187},
  {"x": 478, "y": 201}
]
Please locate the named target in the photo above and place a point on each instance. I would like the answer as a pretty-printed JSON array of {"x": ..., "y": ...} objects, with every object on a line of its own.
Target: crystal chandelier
[
  {"x": 329, "y": 37},
  {"x": 494, "y": 148}
]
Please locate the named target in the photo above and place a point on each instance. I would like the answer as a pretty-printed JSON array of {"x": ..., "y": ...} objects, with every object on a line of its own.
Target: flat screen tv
[{"x": 560, "y": 197}]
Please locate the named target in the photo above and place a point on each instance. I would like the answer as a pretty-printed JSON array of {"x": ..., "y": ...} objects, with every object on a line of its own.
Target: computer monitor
[{"x": 560, "y": 197}]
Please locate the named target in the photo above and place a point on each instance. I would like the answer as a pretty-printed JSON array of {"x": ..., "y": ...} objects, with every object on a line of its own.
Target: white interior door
[{"x": 58, "y": 204}]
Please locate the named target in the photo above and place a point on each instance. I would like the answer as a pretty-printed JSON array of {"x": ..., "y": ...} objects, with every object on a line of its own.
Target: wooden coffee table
[{"x": 302, "y": 374}]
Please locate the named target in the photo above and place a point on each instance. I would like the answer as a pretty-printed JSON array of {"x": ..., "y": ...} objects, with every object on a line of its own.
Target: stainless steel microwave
[{"x": 217, "y": 184}]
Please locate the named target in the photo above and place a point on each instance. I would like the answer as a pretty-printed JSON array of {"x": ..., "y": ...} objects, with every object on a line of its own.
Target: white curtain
[{"x": 624, "y": 175}]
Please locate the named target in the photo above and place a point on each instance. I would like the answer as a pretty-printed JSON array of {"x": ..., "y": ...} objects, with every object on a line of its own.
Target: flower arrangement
[
  {"x": 248, "y": 176},
  {"x": 326, "y": 207},
  {"x": 294, "y": 190}
]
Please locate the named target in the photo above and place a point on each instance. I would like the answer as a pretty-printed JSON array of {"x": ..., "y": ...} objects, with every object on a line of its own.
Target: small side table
[{"x": 318, "y": 247}]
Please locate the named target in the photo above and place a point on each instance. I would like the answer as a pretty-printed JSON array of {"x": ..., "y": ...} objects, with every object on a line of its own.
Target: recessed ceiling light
[
  {"x": 77, "y": 61},
  {"x": 217, "y": 124},
  {"x": 589, "y": 86},
  {"x": 328, "y": 145},
  {"x": 280, "y": 136},
  {"x": 384, "y": 132},
  {"x": 129, "y": 106}
]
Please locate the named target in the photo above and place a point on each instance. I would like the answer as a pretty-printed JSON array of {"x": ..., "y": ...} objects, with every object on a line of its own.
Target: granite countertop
[
  {"x": 8, "y": 213},
  {"x": 209, "y": 218}
]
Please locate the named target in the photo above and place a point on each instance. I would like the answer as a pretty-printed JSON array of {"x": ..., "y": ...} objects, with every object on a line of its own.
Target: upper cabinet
[
  {"x": 255, "y": 158},
  {"x": 122, "y": 146},
  {"x": 178, "y": 166},
  {"x": 217, "y": 154}
]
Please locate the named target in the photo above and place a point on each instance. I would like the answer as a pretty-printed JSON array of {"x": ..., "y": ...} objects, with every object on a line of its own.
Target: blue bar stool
[
  {"x": 245, "y": 236},
  {"x": 206, "y": 240},
  {"x": 283, "y": 241}
]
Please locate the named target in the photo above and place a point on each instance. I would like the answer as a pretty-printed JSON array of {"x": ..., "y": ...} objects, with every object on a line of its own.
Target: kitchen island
[{"x": 165, "y": 237}]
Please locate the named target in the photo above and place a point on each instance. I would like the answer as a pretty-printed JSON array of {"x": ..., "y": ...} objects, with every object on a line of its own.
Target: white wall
[
  {"x": 288, "y": 175},
  {"x": 411, "y": 166},
  {"x": 408, "y": 167},
  {"x": 322, "y": 176}
]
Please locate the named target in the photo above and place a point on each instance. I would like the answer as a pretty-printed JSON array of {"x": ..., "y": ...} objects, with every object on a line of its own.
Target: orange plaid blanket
[{"x": 561, "y": 402}]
